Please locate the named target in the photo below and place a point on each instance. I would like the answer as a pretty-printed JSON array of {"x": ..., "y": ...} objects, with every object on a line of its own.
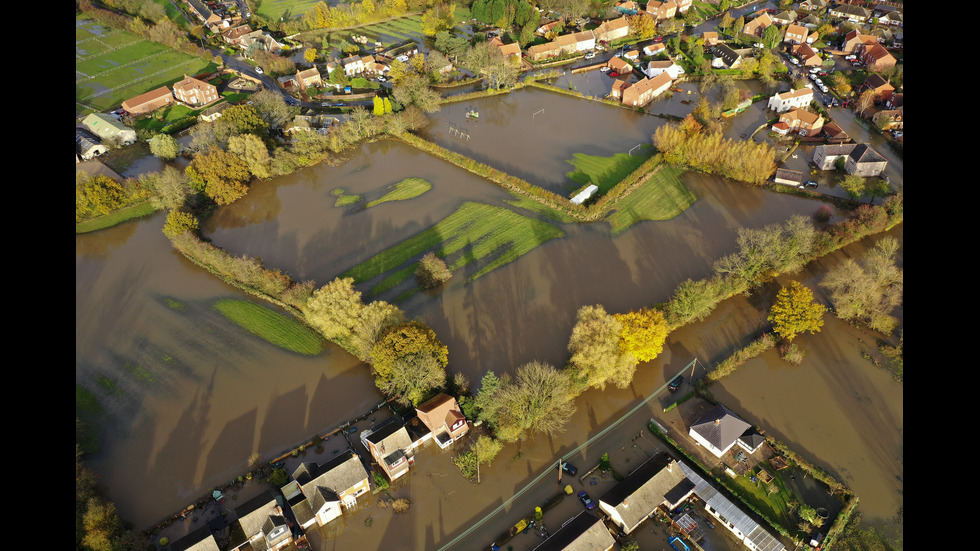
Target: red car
[
  {"x": 613, "y": 74},
  {"x": 658, "y": 39}
]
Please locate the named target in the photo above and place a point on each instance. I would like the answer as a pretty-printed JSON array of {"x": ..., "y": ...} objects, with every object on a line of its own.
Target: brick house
[
  {"x": 328, "y": 489},
  {"x": 882, "y": 89},
  {"x": 309, "y": 77},
  {"x": 612, "y": 29},
  {"x": 645, "y": 90},
  {"x": 795, "y": 34},
  {"x": 150, "y": 101},
  {"x": 803, "y": 122},
  {"x": 619, "y": 65},
  {"x": 876, "y": 58},
  {"x": 194, "y": 92},
  {"x": 444, "y": 418},
  {"x": 662, "y": 10},
  {"x": 853, "y": 40},
  {"x": 390, "y": 446},
  {"x": 807, "y": 55},
  {"x": 757, "y": 25}
]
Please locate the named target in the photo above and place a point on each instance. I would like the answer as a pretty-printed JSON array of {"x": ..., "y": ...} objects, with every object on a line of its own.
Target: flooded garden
[{"x": 187, "y": 396}]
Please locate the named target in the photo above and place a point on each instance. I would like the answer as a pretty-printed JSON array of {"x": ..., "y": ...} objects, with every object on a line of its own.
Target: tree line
[{"x": 687, "y": 144}]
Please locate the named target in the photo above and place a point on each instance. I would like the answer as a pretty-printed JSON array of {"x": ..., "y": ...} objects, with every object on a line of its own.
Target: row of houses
[
  {"x": 581, "y": 41},
  {"x": 661, "y": 485},
  {"x": 317, "y": 494},
  {"x": 189, "y": 91}
]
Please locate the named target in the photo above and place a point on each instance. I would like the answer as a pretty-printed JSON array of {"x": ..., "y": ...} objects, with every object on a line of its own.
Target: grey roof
[
  {"x": 728, "y": 55},
  {"x": 786, "y": 174},
  {"x": 302, "y": 510},
  {"x": 199, "y": 540},
  {"x": 864, "y": 153},
  {"x": 337, "y": 475},
  {"x": 253, "y": 513},
  {"x": 320, "y": 497},
  {"x": 720, "y": 427},
  {"x": 751, "y": 438},
  {"x": 761, "y": 539},
  {"x": 646, "y": 488},
  {"x": 585, "y": 532}
]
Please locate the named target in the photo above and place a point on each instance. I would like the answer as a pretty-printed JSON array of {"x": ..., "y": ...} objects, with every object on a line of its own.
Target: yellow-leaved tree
[
  {"x": 795, "y": 311},
  {"x": 644, "y": 333}
]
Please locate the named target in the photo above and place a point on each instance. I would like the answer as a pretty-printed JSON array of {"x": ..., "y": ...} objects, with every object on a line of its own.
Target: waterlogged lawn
[
  {"x": 406, "y": 189},
  {"x": 606, "y": 172},
  {"x": 271, "y": 326},
  {"x": 476, "y": 232},
  {"x": 663, "y": 197}
]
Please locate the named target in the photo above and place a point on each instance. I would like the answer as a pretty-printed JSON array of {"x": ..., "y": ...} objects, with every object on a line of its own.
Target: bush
[
  {"x": 432, "y": 271},
  {"x": 179, "y": 222},
  {"x": 401, "y": 505},
  {"x": 380, "y": 481}
]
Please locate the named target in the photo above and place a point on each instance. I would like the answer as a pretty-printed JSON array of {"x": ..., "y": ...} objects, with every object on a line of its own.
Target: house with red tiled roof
[
  {"x": 854, "y": 40},
  {"x": 803, "y": 122},
  {"x": 309, "y": 77},
  {"x": 150, "y": 101},
  {"x": 509, "y": 51},
  {"x": 683, "y": 5},
  {"x": 662, "y": 10},
  {"x": 876, "y": 57},
  {"x": 807, "y": 55},
  {"x": 619, "y": 65},
  {"x": 443, "y": 416},
  {"x": 645, "y": 90},
  {"x": 710, "y": 38},
  {"x": 795, "y": 34},
  {"x": 882, "y": 89},
  {"x": 194, "y": 92},
  {"x": 757, "y": 25},
  {"x": 612, "y": 29},
  {"x": 619, "y": 84}
]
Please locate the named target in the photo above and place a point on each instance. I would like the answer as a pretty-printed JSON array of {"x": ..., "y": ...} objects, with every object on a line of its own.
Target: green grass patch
[
  {"x": 774, "y": 506},
  {"x": 605, "y": 172},
  {"x": 85, "y": 402},
  {"x": 122, "y": 215},
  {"x": 663, "y": 197},
  {"x": 536, "y": 207},
  {"x": 345, "y": 200},
  {"x": 408, "y": 188},
  {"x": 476, "y": 232},
  {"x": 275, "y": 328}
]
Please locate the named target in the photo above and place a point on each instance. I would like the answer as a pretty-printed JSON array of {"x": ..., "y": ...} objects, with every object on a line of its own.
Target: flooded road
[{"x": 186, "y": 395}]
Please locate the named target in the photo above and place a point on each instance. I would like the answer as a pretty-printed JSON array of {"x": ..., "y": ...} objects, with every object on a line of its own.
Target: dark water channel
[{"x": 188, "y": 396}]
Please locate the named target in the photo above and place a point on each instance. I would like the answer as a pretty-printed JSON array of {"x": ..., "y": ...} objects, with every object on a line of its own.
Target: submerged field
[{"x": 112, "y": 66}]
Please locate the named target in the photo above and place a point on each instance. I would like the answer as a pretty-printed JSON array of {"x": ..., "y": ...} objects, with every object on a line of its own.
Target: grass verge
[
  {"x": 118, "y": 217},
  {"x": 406, "y": 189},
  {"x": 271, "y": 326}
]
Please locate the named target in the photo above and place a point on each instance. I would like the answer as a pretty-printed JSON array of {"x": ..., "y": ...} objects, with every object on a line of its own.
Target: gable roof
[
  {"x": 720, "y": 427},
  {"x": 253, "y": 514},
  {"x": 199, "y": 540},
  {"x": 644, "y": 489},
  {"x": 864, "y": 153},
  {"x": 336, "y": 475},
  {"x": 160, "y": 92},
  {"x": 876, "y": 81},
  {"x": 795, "y": 94},
  {"x": 584, "y": 532},
  {"x": 728, "y": 55}
]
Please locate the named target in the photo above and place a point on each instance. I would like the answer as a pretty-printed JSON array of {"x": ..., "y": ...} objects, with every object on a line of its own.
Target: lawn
[
  {"x": 662, "y": 197},
  {"x": 606, "y": 172},
  {"x": 406, "y": 189},
  {"x": 475, "y": 232},
  {"x": 112, "y": 66},
  {"x": 277, "y": 329},
  {"x": 118, "y": 217}
]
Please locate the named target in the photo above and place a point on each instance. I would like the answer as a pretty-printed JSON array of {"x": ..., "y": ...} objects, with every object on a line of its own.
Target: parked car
[
  {"x": 259, "y": 70},
  {"x": 815, "y": 70},
  {"x": 675, "y": 384},
  {"x": 586, "y": 500},
  {"x": 381, "y": 78},
  {"x": 403, "y": 58},
  {"x": 808, "y": 184},
  {"x": 794, "y": 61},
  {"x": 569, "y": 468},
  {"x": 613, "y": 74},
  {"x": 590, "y": 55}
]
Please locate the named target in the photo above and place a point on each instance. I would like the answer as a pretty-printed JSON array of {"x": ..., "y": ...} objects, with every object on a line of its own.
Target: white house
[
  {"x": 327, "y": 489},
  {"x": 654, "y": 68},
  {"x": 794, "y": 99},
  {"x": 718, "y": 430}
]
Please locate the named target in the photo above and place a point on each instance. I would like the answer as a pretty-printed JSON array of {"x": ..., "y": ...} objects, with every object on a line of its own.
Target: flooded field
[
  {"x": 187, "y": 396},
  {"x": 532, "y": 133}
]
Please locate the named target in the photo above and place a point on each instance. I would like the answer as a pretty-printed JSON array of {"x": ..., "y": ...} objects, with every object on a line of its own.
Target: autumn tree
[
  {"x": 310, "y": 55},
  {"x": 245, "y": 119},
  {"x": 414, "y": 90},
  {"x": 868, "y": 290},
  {"x": 170, "y": 189},
  {"x": 432, "y": 271},
  {"x": 221, "y": 175},
  {"x": 538, "y": 399},
  {"x": 795, "y": 311},
  {"x": 410, "y": 361},
  {"x": 164, "y": 146},
  {"x": 178, "y": 222},
  {"x": 251, "y": 149},
  {"x": 486, "y": 448},
  {"x": 642, "y": 25},
  {"x": 375, "y": 319},
  {"x": 854, "y": 185},
  {"x": 597, "y": 357},
  {"x": 335, "y": 309},
  {"x": 644, "y": 333}
]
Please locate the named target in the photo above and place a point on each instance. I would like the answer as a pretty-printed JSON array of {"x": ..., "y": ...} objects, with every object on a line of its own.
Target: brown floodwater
[{"x": 188, "y": 396}]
